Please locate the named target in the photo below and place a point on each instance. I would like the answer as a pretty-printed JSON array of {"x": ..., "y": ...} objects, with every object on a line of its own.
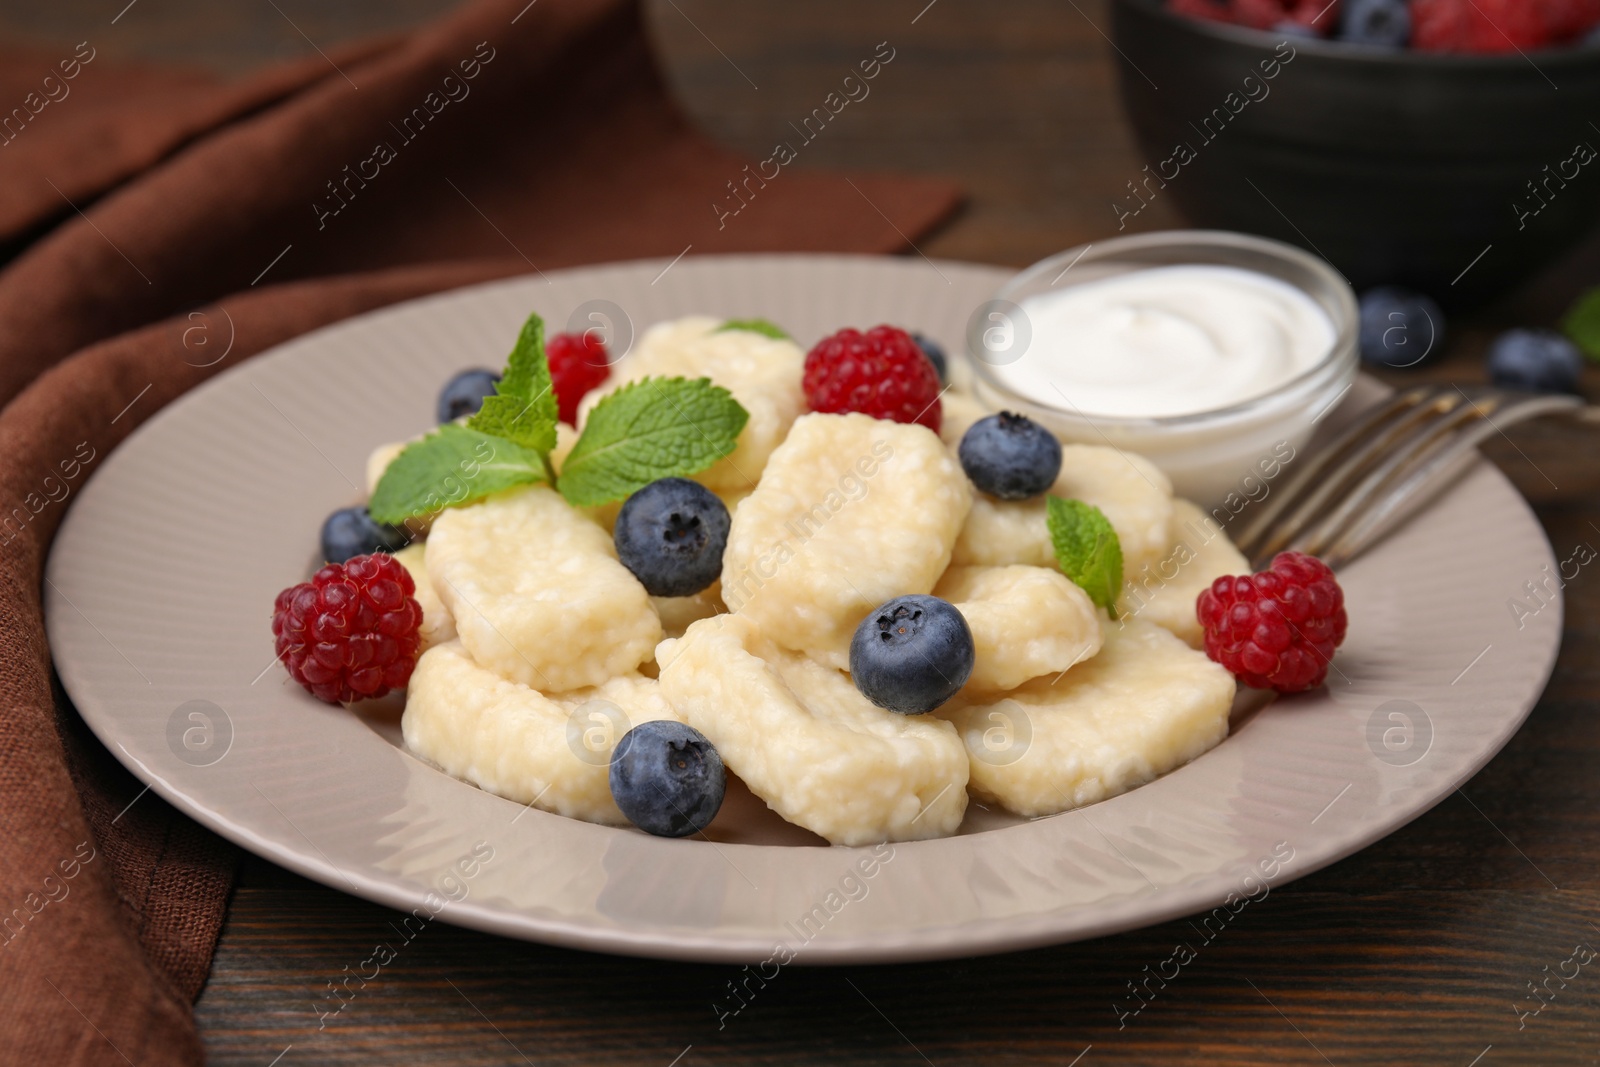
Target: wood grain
[{"x": 1417, "y": 950}]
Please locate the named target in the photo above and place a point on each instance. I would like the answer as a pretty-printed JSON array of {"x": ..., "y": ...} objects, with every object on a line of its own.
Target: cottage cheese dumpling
[
  {"x": 1165, "y": 592},
  {"x": 1135, "y": 496},
  {"x": 958, "y": 412},
  {"x": 1146, "y": 704},
  {"x": 851, "y": 511},
  {"x": 437, "y": 625},
  {"x": 537, "y": 593},
  {"x": 763, "y": 374},
  {"x": 1025, "y": 622},
  {"x": 678, "y": 612},
  {"x": 808, "y": 743},
  {"x": 553, "y": 752}
]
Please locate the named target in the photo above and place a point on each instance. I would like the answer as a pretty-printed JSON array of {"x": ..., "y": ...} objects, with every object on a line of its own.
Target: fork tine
[
  {"x": 1432, "y": 435},
  {"x": 1330, "y": 473},
  {"x": 1428, "y": 473}
]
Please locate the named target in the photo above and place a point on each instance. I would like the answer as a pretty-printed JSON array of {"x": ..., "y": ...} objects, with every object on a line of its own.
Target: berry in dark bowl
[
  {"x": 1384, "y": 23},
  {"x": 1452, "y": 173}
]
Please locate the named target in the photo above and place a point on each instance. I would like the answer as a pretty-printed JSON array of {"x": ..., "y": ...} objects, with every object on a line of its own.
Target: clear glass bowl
[{"x": 1207, "y": 454}]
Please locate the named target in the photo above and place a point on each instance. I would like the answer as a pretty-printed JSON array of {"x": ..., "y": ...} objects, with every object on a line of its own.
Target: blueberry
[
  {"x": 463, "y": 394},
  {"x": 1541, "y": 361},
  {"x": 935, "y": 353},
  {"x": 1399, "y": 328},
  {"x": 671, "y": 534},
  {"x": 1010, "y": 456},
  {"x": 667, "y": 778},
  {"x": 352, "y": 532},
  {"x": 1385, "y": 23},
  {"x": 1291, "y": 28},
  {"x": 912, "y": 654}
]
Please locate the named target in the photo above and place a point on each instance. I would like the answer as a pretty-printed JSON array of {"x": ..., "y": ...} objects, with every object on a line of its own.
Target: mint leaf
[
  {"x": 649, "y": 429},
  {"x": 1582, "y": 323},
  {"x": 1087, "y": 549},
  {"x": 761, "y": 326},
  {"x": 523, "y": 409},
  {"x": 453, "y": 465}
]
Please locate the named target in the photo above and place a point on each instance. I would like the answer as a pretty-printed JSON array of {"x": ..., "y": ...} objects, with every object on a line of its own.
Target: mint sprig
[
  {"x": 1087, "y": 548},
  {"x": 761, "y": 326},
  {"x": 453, "y": 465},
  {"x": 650, "y": 429},
  {"x": 523, "y": 409},
  {"x": 1582, "y": 323}
]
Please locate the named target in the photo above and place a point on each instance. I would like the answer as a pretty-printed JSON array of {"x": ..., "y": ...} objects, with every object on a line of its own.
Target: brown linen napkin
[
  {"x": 560, "y": 148},
  {"x": 549, "y": 138},
  {"x": 79, "y": 125}
]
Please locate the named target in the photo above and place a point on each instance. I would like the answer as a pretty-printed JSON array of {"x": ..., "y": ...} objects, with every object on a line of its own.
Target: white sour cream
[{"x": 1166, "y": 341}]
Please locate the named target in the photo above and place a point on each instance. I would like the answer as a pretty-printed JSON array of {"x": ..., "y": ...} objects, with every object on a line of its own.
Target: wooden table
[{"x": 1418, "y": 950}]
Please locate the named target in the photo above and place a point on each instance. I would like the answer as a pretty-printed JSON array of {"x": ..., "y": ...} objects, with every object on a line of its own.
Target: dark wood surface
[{"x": 1418, "y": 950}]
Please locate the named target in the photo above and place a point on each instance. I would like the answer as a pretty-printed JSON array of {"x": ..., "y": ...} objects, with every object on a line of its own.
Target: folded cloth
[
  {"x": 549, "y": 138},
  {"x": 539, "y": 135}
]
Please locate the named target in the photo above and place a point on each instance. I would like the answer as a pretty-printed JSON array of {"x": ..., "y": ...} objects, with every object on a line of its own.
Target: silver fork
[{"x": 1382, "y": 469}]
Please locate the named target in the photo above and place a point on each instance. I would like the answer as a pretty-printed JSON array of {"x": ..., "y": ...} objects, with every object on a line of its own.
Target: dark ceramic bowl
[{"x": 1458, "y": 175}]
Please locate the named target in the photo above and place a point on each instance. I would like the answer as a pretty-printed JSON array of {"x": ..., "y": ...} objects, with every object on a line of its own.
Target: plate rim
[{"x": 985, "y": 936}]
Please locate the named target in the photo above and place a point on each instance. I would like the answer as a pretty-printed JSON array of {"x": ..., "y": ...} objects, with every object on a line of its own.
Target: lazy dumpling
[
  {"x": 536, "y": 591},
  {"x": 1146, "y": 704},
  {"x": 804, "y": 740},
  {"x": 851, "y": 511}
]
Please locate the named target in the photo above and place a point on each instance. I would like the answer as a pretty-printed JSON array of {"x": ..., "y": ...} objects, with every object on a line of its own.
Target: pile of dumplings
[{"x": 541, "y": 649}]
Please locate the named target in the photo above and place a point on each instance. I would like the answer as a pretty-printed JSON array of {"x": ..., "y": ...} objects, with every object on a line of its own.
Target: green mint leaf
[
  {"x": 453, "y": 465},
  {"x": 649, "y": 429},
  {"x": 523, "y": 409},
  {"x": 1087, "y": 549},
  {"x": 761, "y": 326},
  {"x": 1582, "y": 323}
]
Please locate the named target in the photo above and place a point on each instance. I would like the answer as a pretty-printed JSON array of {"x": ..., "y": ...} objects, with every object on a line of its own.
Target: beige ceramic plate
[{"x": 162, "y": 580}]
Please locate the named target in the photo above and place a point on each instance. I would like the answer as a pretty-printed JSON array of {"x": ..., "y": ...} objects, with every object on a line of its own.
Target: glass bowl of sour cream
[{"x": 1213, "y": 354}]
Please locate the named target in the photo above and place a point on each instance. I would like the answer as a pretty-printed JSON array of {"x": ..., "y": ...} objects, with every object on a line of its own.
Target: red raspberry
[
  {"x": 1216, "y": 10},
  {"x": 350, "y": 633},
  {"x": 881, "y": 373},
  {"x": 578, "y": 363},
  {"x": 1481, "y": 26},
  {"x": 1259, "y": 14},
  {"x": 1276, "y": 629},
  {"x": 1568, "y": 19},
  {"x": 1320, "y": 15}
]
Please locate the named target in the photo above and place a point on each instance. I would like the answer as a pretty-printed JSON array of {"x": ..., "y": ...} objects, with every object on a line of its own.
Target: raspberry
[
  {"x": 881, "y": 373},
  {"x": 1320, "y": 15},
  {"x": 578, "y": 363},
  {"x": 1481, "y": 26},
  {"x": 1258, "y": 14},
  {"x": 1568, "y": 19},
  {"x": 1215, "y": 10},
  {"x": 1276, "y": 629},
  {"x": 350, "y": 633}
]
